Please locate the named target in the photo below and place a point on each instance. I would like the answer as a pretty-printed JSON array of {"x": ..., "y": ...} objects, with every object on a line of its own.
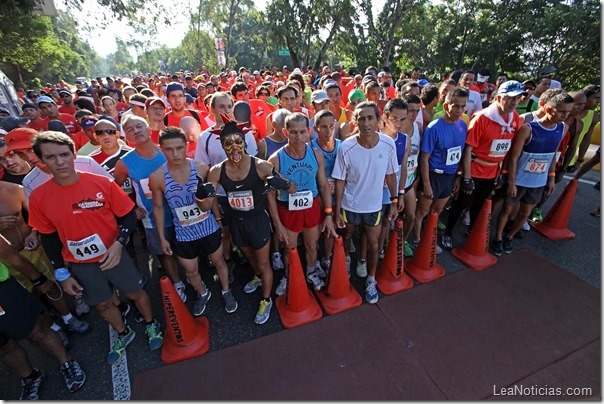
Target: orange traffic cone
[
  {"x": 185, "y": 336},
  {"x": 391, "y": 277},
  {"x": 422, "y": 266},
  {"x": 555, "y": 224},
  {"x": 338, "y": 295},
  {"x": 298, "y": 305},
  {"x": 475, "y": 252}
]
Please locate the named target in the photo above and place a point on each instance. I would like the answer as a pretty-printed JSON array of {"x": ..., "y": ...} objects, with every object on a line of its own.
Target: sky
[{"x": 103, "y": 39}]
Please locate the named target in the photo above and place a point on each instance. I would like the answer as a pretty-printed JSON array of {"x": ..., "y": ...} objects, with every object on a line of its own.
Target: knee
[
  {"x": 105, "y": 305},
  {"x": 41, "y": 329},
  {"x": 9, "y": 347}
]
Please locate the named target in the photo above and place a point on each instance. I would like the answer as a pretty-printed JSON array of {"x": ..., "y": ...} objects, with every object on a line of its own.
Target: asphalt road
[{"x": 581, "y": 257}]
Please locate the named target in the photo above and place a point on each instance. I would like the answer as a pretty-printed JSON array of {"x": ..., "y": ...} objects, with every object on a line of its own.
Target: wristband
[
  {"x": 551, "y": 174},
  {"x": 393, "y": 199},
  {"x": 218, "y": 219},
  {"x": 401, "y": 192},
  {"x": 122, "y": 240},
  {"x": 328, "y": 210},
  {"x": 504, "y": 171},
  {"x": 460, "y": 173},
  {"x": 39, "y": 280},
  {"x": 62, "y": 274}
]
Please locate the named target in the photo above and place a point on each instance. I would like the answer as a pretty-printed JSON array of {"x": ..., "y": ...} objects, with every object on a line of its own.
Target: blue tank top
[
  {"x": 272, "y": 146},
  {"x": 301, "y": 171},
  {"x": 537, "y": 155},
  {"x": 401, "y": 146},
  {"x": 140, "y": 169},
  {"x": 190, "y": 222},
  {"x": 330, "y": 157}
]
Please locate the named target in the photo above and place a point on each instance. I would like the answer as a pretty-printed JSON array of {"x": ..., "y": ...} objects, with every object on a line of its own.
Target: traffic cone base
[
  {"x": 475, "y": 251},
  {"x": 390, "y": 276},
  {"x": 291, "y": 319},
  {"x": 297, "y": 306},
  {"x": 423, "y": 266},
  {"x": 333, "y": 305},
  {"x": 555, "y": 223},
  {"x": 185, "y": 337}
]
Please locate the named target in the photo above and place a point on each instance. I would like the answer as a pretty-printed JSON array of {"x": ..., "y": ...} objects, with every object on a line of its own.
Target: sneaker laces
[
  {"x": 151, "y": 330},
  {"x": 371, "y": 287},
  {"x": 263, "y": 305}
]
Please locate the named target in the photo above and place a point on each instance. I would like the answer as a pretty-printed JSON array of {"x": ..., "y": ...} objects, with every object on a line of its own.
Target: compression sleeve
[
  {"x": 52, "y": 247},
  {"x": 127, "y": 224}
]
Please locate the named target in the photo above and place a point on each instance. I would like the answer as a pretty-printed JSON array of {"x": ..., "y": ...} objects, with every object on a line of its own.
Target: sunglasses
[
  {"x": 103, "y": 132},
  {"x": 529, "y": 88}
]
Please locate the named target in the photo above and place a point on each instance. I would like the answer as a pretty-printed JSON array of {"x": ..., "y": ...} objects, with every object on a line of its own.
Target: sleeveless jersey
[
  {"x": 401, "y": 145},
  {"x": 272, "y": 146},
  {"x": 412, "y": 160},
  {"x": 190, "y": 222},
  {"x": 537, "y": 155},
  {"x": 302, "y": 171},
  {"x": 140, "y": 169},
  {"x": 246, "y": 197},
  {"x": 330, "y": 161}
]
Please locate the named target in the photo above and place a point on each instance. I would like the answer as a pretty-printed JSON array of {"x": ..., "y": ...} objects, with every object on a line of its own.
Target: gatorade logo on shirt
[{"x": 87, "y": 204}]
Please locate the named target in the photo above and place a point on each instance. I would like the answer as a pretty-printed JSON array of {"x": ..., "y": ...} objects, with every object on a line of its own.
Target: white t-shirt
[
  {"x": 364, "y": 171},
  {"x": 37, "y": 177},
  {"x": 474, "y": 103}
]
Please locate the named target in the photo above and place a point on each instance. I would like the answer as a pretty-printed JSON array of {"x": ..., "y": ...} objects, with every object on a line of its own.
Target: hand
[
  {"x": 72, "y": 287},
  {"x": 112, "y": 256},
  {"x": 8, "y": 221},
  {"x": 573, "y": 168},
  {"x": 393, "y": 211},
  {"x": 329, "y": 227},
  {"x": 165, "y": 246},
  {"x": 282, "y": 233},
  {"x": 427, "y": 192},
  {"x": 400, "y": 206},
  {"x": 140, "y": 213},
  {"x": 204, "y": 190},
  {"x": 31, "y": 242},
  {"x": 467, "y": 186},
  {"x": 512, "y": 191},
  {"x": 340, "y": 220},
  {"x": 455, "y": 186},
  {"x": 550, "y": 186}
]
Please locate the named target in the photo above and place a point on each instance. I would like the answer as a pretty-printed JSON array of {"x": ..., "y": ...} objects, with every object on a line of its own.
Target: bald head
[
  {"x": 191, "y": 127},
  {"x": 578, "y": 96}
]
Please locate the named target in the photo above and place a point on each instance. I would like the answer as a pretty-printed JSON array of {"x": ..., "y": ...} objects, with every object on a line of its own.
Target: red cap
[{"x": 19, "y": 139}]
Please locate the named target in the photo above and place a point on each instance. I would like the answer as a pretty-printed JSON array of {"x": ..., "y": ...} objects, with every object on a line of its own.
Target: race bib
[
  {"x": 411, "y": 164},
  {"x": 127, "y": 185},
  {"x": 241, "y": 200},
  {"x": 145, "y": 188},
  {"x": 557, "y": 158},
  {"x": 453, "y": 155},
  {"x": 300, "y": 200},
  {"x": 87, "y": 248},
  {"x": 536, "y": 166},
  {"x": 499, "y": 147},
  {"x": 332, "y": 185},
  {"x": 189, "y": 215}
]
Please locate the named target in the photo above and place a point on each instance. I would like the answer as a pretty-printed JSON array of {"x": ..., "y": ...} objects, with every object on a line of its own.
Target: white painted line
[
  {"x": 119, "y": 372},
  {"x": 568, "y": 177}
]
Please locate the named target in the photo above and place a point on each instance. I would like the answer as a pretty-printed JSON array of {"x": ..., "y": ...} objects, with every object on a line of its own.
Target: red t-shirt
[
  {"x": 260, "y": 110},
  {"x": 174, "y": 121},
  {"x": 82, "y": 213},
  {"x": 490, "y": 143},
  {"x": 80, "y": 139},
  {"x": 64, "y": 109},
  {"x": 40, "y": 124}
]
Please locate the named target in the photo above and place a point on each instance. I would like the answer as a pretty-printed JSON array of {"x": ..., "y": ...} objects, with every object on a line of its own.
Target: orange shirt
[
  {"x": 260, "y": 110},
  {"x": 82, "y": 213},
  {"x": 490, "y": 143}
]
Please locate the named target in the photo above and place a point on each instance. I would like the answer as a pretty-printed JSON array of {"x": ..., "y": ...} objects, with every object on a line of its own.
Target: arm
[
  {"x": 271, "y": 199},
  {"x": 202, "y": 172},
  {"x": 323, "y": 186},
  {"x": 572, "y": 147},
  {"x": 424, "y": 170},
  {"x": 157, "y": 184},
  {"x": 466, "y": 168},
  {"x": 52, "y": 247},
  {"x": 120, "y": 173},
  {"x": 586, "y": 141},
  {"x": 262, "y": 149},
  {"x": 392, "y": 187},
  {"x": 517, "y": 145},
  {"x": 401, "y": 185}
]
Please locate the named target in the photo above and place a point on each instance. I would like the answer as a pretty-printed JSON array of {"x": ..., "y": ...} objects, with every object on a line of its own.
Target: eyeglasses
[
  {"x": 529, "y": 88},
  {"x": 103, "y": 132}
]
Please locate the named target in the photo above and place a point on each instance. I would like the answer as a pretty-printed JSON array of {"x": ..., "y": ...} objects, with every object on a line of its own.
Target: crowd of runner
[{"x": 234, "y": 167}]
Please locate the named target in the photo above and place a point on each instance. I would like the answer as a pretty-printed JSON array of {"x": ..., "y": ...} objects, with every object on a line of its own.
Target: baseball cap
[
  {"x": 88, "y": 122},
  {"x": 285, "y": 67},
  {"x": 189, "y": 98},
  {"x": 423, "y": 82},
  {"x": 511, "y": 88},
  {"x": 329, "y": 81},
  {"x": 297, "y": 70},
  {"x": 355, "y": 95},
  {"x": 318, "y": 96},
  {"x": 19, "y": 139},
  {"x": 381, "y": 74},
  {"x": 10, "y": 122},
  {"x": 152, "y": 100},
  {"x": 174, "y": 86},
  {"x": 530, "y": 83},
  {"x": 222, "y": 74},
  {"x": 57, "y": 126},
  {"x": 63, "y": 91},
  {"x": 256, "y": 72},
  {"x": 29, "y": 105},
  {"x": 45, "y": 98}
]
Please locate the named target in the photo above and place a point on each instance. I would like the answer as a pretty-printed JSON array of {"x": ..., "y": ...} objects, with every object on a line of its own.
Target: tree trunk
[{"x": 21, "y": 83}]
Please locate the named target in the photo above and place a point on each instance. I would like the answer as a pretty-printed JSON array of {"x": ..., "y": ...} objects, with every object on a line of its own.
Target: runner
[
  {"x": 78, "y": 216},
  {"x": 195, "y": 228}
]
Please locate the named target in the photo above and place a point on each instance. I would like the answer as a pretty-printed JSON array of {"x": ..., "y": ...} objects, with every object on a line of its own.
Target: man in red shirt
[
  {"x": 67, "y": 107},
  {"x": 49, "y": 107},
  {"x": 175, "y": 92},
  {"x": 36, "y": 121}
]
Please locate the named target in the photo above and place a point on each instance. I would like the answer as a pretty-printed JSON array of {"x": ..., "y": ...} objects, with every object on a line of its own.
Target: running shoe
[
  {"x": 326, "y": 264},
  {"x": 441, "y": 225},
  {"x": 252, "y": 285},
  {"x": 526, "y": 226},
  {"x": 438, "y": 249},
  {"x": 320, "y": 271},
  {"x": 506, "y": 245},
  {"x": 230, "y": 304},
  {"x": 446, "y": 241},
  {"x": 352, "y": 248},
  {"x": 277, "y": 261},
  {"x": 153, "y": 331},
  {"x": 64, "y": 338},
  {"x": 73, "y": 375},
  {"x": 282, "y": 287},
  {"x": 124, "y": 310},
  {"x": 119, "y": 346},
  {"x": 465, "y": 219},
  {"x": 30, "y": 388},
  {"x": 536, "y": 215},
  {"x": 81, "y": 307},
  {"x": 414, "y": 244},
  {"x": 381, "y": 255},
  {"x": 348, "y": 264},
  {"x": 200, "y": 303},
  {"x": 497, "y": 247},
  {"x": 371, "y": 293},
  {"x": 408, "y": 250},
  {"x": 78, "y": 326},
  {"x": 264, "y": 311},
  {"x": 313, "y": 277},
  {"x": 362, "y": 268},
  {"x": 180, "y": 289}
]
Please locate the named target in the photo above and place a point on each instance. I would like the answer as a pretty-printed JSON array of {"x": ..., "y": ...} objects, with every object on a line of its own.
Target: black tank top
[{"x": 246, "y": 197}]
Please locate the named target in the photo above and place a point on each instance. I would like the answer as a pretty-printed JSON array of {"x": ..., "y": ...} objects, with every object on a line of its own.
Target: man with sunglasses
[
  {"x": 526, "y": 101},
  {"x": 68, "y": 106}
]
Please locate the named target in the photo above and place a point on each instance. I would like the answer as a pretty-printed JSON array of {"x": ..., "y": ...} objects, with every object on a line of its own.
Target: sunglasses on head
[{"x": 102, "y": 132}]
